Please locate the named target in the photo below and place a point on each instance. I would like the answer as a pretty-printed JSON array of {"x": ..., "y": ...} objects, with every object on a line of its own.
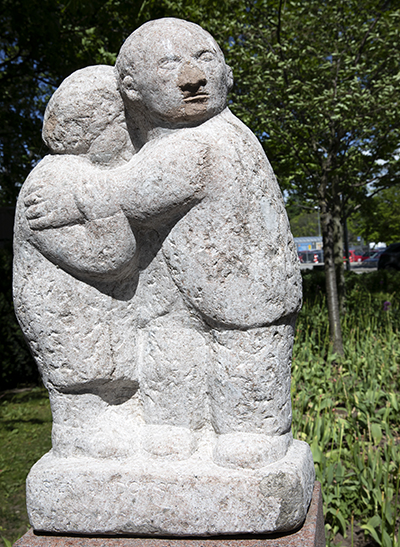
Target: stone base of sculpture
[
  {"x": 194, "y": 497},
  {"x": 310, "y": 534}
]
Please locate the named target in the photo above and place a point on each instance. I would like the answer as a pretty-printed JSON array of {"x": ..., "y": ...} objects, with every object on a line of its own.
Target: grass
[
  {"x": 25, "y": 428},
  {"x": 347, "y": 409}
]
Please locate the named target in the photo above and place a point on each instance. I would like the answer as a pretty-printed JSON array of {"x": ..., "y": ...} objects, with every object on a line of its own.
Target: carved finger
[
  {"x": 34, "y": 187},
  {"x": 41, "y": 223},
  {"x": 32, "y": 199},
  {"x": 48, "y": 219},
  {"x": 35, "y": 211}
]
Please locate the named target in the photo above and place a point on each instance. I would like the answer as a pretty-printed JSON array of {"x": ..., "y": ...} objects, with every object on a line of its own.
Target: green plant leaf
[
  {"x": 376, "y": 433},
  {"x": 316, "y": 451},
  {"x": 386, "y": 540},
  {"x": 372, "y": 531}
]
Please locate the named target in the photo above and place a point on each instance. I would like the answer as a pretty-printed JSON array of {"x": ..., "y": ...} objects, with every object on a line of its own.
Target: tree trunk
[
  {"x": 346, "y": 241},
  {"x": 338, "y": 253},
  {"x": 335, "y": 331}
]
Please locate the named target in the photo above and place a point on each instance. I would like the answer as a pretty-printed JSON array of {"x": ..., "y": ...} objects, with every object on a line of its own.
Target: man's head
[
  {"x": 175, "y": 71},
  {"x": 85, "y": 116}
]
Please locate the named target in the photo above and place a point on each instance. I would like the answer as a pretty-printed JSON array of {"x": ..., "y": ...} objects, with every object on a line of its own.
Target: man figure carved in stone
[{"x": 209, "y": 299}]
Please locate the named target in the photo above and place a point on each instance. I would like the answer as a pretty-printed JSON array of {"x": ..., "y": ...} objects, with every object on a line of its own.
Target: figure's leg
[
  {"x": 84, "y": 347},
  {"x": 250, "y": 394},
  {"x": 85, "y": 424},
  {"x": 173, "y": 368}
]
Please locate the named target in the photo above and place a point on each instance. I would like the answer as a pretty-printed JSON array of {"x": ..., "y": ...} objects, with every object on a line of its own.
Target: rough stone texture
[
  {"x": 192, "y": 496},
  {"x": 311, "y": 534},
  {"x": 85, "y": 115},
  {"x": 158, "y": 293}
]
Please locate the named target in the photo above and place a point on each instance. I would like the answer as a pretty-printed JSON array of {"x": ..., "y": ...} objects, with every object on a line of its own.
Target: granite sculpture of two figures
[{"x": 157, "y": 284}]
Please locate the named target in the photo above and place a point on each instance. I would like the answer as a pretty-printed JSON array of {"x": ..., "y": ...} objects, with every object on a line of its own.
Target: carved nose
[{"x": 191, "y": 78}]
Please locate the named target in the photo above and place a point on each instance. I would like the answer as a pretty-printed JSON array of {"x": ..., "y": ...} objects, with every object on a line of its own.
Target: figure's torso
[{"x": 232, "y": 255}]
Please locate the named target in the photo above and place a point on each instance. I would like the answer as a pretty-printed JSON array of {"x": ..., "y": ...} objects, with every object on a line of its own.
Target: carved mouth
[{"x": 200, "y": 98}]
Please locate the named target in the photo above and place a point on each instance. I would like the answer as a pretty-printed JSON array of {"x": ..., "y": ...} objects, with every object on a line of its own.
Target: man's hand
[
  {"x": 47, "y": 207},
  {"x": 49, "y": 193}
]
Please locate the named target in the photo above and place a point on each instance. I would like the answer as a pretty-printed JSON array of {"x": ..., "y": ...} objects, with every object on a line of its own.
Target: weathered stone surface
[
  {"x": 311, "y": 534},
  {"x": 85, "y": 116},
  {"x": 158, "y": 292},
  {"x": 193, "y": 496}
]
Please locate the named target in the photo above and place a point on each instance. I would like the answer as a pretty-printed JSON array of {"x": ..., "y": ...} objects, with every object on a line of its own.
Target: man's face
[{"x": 181, "y": 76}]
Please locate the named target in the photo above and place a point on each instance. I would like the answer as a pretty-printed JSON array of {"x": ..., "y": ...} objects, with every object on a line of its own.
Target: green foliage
[
  {"x": 359, "y": 288},
  {"x": 304, "y": 224},
  {"x": 313, "y": 284},
  {"x": 349, "y": 409},
  {"x": 25, "y": 426},
  {"x": 314, "y": 81},
  {"x": 41, "y": 43},
  {"x": 378, "y": 281},
  {"x": 378, "y": 219}
]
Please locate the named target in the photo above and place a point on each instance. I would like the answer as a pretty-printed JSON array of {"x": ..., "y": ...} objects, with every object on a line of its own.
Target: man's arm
[
  {"x": 74, "y": 210},
  {"x": 164, "y": 178},
  {"x": 48, "y": 195}
]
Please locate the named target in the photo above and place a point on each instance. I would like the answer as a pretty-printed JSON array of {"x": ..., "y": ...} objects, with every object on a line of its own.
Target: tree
[
  {"x": 318, "y": 83},
  {"x": 41, "y": 43},
  {"x": 379, "y": 218},
  {"x": 304, "y": 224}
]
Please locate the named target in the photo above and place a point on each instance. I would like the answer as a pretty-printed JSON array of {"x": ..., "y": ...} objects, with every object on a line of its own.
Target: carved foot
[
  {"x": 170, "y": 442},
  {"x": 250, "y": 450}
]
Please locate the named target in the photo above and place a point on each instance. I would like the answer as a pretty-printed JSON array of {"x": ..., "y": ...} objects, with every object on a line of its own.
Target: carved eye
[
  {"x": 169, "y": 63},
  {"x": 205, "y": 56}
]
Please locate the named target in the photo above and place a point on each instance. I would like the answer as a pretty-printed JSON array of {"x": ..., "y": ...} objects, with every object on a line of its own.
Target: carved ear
[
  {"x": 229, "y": 77},
  {"x": 128, "y": 89}
]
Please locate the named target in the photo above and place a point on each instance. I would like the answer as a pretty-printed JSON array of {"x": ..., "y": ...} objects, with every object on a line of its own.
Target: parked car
[
  {"x": 390, "y": 258},
  {"x": 368, "y": 254},
  {"x": 354, "y": 256},
  {"x": 372, "y": 261}
]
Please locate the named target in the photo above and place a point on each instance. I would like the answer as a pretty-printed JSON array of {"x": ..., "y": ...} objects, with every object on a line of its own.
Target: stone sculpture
[{"x": 157, "y": 284}]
